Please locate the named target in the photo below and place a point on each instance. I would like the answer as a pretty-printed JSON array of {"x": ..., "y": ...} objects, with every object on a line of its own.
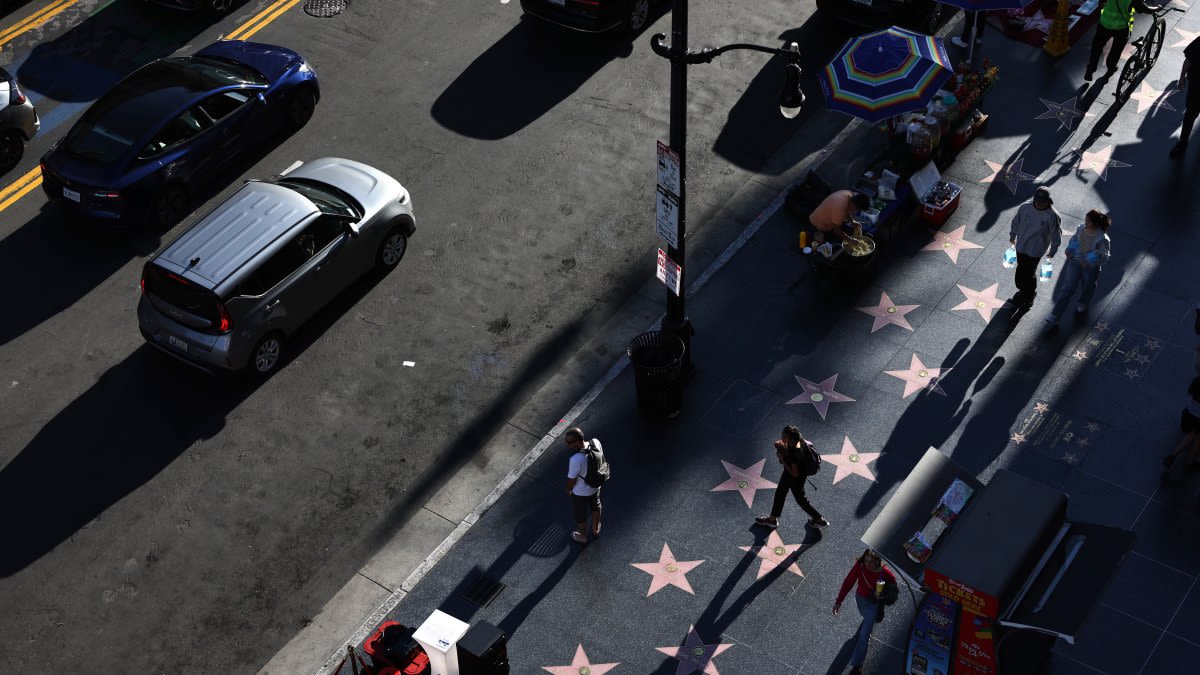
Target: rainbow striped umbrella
[{"x": 885, "y": 73}]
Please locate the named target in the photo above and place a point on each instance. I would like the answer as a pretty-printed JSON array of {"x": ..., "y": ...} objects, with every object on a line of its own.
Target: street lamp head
[{"x": 791, "y": 99}]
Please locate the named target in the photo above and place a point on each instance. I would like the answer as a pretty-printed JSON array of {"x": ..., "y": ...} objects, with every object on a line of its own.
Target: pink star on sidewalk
[
  {"x": 984, "y": 302},
  {"x": 580, "y": 665},
  {"x": 850, "y": 461},
  {"x": 1010, "y": 175},
  {"x": 951, "y": 242},
  {"x": 1185, "y": 37},
  {"x": 1017, "y": 438},
  {"x": 745, "y": 481},
  {"x": 1149, "y": 97},
  {"x": 774, "y": 554},
  {"x": 694, "y": 656},
  {"x": 918, "y": 377},
  {"x": 888, "y": 312},
  {"x": 1099, "y": 162},
  {"x": 820, "y": 395},
  {"x": 668, "y": 572}
]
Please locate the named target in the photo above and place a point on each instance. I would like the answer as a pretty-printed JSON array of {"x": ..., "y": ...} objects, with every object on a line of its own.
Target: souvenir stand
[{"x": 1002, "y": 570}]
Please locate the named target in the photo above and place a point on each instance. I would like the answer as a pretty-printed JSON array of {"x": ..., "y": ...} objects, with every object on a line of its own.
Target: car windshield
[
  {"x": 92, "y": 140},
  {"x": 226, "y": 71},
  {"x": 328, "y": 199}
]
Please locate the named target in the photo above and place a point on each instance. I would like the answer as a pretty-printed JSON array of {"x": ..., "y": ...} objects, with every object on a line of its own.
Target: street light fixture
[{"x": 791, "y": 99}]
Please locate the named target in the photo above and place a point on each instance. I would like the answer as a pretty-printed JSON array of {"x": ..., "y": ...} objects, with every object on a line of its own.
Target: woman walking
[
  {"x": 1189, "y": 423},
  {"x": 1086, "y": 252},
  {"x": 866, "y": 574}
]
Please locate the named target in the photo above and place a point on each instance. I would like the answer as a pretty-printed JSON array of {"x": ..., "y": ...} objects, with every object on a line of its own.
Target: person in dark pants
[
  {"x": 1115, "y": 19},
  {"x": 790, "y": 449},
  {"x": 1035, "y": 228},
  {"x": 972, "y": 23},
  {"x": 1190, "y": 55}
]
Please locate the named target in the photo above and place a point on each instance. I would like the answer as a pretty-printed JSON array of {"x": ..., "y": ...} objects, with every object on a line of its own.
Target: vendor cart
[{"x": 1002, "y": 571}]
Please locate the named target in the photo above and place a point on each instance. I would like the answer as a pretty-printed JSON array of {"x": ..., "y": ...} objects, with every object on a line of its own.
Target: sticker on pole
[
  {"x": 666, "y": 217},
  {"x": 668, "y": 169},
  {"x": 668, "y": 272}
]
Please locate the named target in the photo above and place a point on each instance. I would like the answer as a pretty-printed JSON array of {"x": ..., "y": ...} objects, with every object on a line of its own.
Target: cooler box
[{"x": 923, "y": 183}]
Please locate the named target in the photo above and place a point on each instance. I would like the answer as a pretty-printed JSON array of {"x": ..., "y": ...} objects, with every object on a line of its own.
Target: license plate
[
  {"x": 71, "y": 194},
  {"x": 177, "y": 343}
]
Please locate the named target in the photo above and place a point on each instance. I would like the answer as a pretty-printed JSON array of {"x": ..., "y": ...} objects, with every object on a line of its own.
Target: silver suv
[{"x": 228, "y": 291}]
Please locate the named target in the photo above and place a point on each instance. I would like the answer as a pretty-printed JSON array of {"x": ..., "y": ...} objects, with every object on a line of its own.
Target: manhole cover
[
  {"x": 480, "y": 587},
  {"x": 323, "y": 9}
]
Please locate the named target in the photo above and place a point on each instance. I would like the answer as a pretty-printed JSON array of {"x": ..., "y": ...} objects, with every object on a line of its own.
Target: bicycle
[{"x": 1145, "y": 52}]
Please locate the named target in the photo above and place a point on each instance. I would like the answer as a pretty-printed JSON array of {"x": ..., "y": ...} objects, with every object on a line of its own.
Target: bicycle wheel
[
  {"x": 1129, "y": 76},
  {"x": 1154, "y": 42}
]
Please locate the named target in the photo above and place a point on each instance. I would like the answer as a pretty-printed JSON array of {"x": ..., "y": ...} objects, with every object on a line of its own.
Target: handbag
[{"x": 888, "y": 596}]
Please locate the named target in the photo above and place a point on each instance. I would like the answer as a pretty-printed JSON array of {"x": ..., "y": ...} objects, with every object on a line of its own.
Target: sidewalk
[{"x": 761, "y": 325}]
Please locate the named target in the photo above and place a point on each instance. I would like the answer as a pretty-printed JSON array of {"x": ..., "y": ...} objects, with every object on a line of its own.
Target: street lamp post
[{"x": 790, "y": 102}]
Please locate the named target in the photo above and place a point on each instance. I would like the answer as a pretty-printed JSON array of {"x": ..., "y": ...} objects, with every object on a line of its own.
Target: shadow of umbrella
[{"x": 520, "y": 78}]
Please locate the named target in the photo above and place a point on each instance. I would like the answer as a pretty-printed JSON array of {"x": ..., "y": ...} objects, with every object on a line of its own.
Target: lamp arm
[{"x": 659, "y": 44}]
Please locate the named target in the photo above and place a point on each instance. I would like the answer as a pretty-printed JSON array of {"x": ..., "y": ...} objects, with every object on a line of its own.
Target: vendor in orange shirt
[{"x": 835, "y": 211}]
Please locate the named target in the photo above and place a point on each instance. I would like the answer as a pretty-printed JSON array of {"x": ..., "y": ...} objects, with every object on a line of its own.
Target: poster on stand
[
  {"x": 929, "y": 646},
  {"x": 975, "y": 649}
]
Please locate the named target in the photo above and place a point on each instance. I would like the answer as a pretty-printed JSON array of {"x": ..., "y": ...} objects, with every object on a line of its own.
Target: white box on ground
[
  {"x": 666, "y": 217},
  {"x": 439, "y": 635},
  {"x": 669, "y": 272}
]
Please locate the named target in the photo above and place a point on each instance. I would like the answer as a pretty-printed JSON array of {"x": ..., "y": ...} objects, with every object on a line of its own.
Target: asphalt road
[{"x": 156, "y": 519}]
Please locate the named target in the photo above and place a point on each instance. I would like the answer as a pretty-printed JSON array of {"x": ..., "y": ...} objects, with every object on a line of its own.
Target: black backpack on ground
[{"x": 598, "y": 468}]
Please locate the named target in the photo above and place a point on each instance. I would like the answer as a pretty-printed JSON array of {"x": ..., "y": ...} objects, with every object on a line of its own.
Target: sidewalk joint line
[
  {"x": 522, "y": 429},
  {"x": 1193, "y": 577},
  {"x": 452, "y": 522},
  {"x": 375, "y": 581},
  {"x": 1164, "y": 633},
  {"x": 1089, "y": 667}
]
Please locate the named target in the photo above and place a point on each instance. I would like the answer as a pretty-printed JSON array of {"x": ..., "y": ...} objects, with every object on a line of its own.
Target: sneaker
[
  {"x": 1168, "y": 461},
  {"x": 818, "y": 522},
  {"x": 1179, "y": 149},
  {"x": 959, "y": 42},
  {"x": 766, "y": 521},
  {"x": 1081, "y": 308},
  {"x": 578, "y": 537}
]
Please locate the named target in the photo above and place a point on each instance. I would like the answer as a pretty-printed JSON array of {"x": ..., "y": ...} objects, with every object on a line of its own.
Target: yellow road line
[
  {"x": 260, "y": 21},
  {"x": 20, "y": 188},
  {"x": 36, "y": 19}
]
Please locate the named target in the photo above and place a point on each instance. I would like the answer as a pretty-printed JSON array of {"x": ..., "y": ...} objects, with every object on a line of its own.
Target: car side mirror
[
  {"x": 351, "y": 230},
  {"x": 261, "y": 98}
]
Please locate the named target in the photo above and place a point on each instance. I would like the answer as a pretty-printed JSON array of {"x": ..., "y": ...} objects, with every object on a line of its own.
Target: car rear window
[{"x": 182, "y": 294}]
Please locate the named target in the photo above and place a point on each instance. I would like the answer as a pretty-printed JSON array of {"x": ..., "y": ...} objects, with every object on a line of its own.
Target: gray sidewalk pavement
[{"x": 763, "y": 325}]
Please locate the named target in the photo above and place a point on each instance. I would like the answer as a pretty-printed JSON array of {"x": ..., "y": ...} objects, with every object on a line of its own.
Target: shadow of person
[
  {"x": 842, "y": 658},
  {"x": 522, "y": 77}
]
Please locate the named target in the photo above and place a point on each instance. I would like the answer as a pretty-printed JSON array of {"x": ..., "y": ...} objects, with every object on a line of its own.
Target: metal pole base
[{"x": 683, "y": 329}]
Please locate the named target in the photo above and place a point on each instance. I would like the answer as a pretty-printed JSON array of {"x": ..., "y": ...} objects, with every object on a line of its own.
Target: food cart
[{"x": 1002, "y": 570}]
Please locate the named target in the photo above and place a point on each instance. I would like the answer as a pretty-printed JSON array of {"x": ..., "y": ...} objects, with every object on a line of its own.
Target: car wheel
[
  {"x": 391, "y": 249},
  {"x": 639, "y": 14},
  {"x": 300, "y": 106},
  {"x": 171, "y": 207},
  {"x": 267, "y": 354},
  {"x": 12, "y": 148},
  {"x": 220, "y": 6}
]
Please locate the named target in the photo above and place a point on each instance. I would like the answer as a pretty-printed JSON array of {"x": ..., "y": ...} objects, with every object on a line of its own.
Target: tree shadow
[{"x": 533, "y": 68}]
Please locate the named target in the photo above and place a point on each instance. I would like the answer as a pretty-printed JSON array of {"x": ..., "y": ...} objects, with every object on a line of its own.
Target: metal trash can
[{"x": 657, "y": 359}]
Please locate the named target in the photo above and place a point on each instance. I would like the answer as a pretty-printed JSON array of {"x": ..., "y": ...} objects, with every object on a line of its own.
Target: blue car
[{"x": 139, "y": 152}]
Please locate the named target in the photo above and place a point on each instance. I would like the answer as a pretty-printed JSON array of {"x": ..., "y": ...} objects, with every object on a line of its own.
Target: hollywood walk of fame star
[
  {"x": 1149, "y": 97},
  {"x": 1092, "y": 426},
  {"x": 1041, "y": 407},
  {"x": 1132, "y": 373},
  {"x": 1010, "y": 175},
  {"x": 850, "y": 462},
  {"x": 668, "y": 571},
  {"x": 918, "y": 377},
  {"x": 1064, "y": 112},
  {"x": 951, "y": 242},
  {"x": 984, "y": 302},
  {"x": 1038, "y": 22},
  {"x": 1080, "y": 355},
  {"x": 1101, "y": 326},
  {"x": 581, "y": 665},
  {"x": 694, "y": 656},
  {"x": 1017, "y": 438},
  {"x": 774, "y": 554},
  {"x": 746, "y": 481},
  {"x": 1153, "y": 343},
  {"x": 888, "y": 312},
  {"x": 1083, "y": 442},
  {"x": 1070, "y": 458},
  {"x": 820, "y": 395},
  {"x": 1142, "y": 359},
  {"x": 1185, "y": 37},
  {"x": 1099, "y": 162}
]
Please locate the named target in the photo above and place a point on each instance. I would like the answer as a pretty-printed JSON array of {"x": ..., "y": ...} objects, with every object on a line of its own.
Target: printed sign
[
  {"x": 1046, "y": 429},
  {"x": 929, "y": 645},
  {"x": 970, "y": 599},
  {"x": 976, "y": 650},
  {"x": 1124, "y": 352},
  {"x": 668, "y": 272},
  {"x": 668, "y": 169},
  {"x": 666, "y": 218}
]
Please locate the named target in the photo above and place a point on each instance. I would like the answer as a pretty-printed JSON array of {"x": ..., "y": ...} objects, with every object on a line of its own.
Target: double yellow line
[{"x": 31, "y": 180}]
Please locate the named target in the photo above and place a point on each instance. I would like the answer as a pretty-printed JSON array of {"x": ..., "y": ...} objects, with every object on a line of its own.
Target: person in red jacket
[{"x": 864, "y": 575}]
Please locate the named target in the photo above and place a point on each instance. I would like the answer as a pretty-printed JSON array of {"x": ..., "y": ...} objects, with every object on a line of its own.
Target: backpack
[
  {"x": 598, "y": 468},
  {"x": 810, "y": 459}
]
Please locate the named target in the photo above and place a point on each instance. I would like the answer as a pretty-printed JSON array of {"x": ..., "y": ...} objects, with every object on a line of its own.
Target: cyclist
[
  {"x": 1191, "y": 55},
  {"x": 1116, "y": 18}
]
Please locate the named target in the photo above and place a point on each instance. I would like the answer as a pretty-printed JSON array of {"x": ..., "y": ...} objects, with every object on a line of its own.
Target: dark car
[
  {"x": 18, "y": 122},
  {"x": 193, "y": 5},
  {"x": 919, "y": 15},
  {"x": 592, "y": 16},
  {"x": 140, "y": 151}
]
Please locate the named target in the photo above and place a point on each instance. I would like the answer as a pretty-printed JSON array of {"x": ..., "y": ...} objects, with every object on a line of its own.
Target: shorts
[
  {"x": 582, "y": 505},
  {"x": 1189, "y": 423}
]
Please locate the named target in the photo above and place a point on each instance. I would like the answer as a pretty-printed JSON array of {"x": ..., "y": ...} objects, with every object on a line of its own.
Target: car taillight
[
  {"x": 142, "y": 284},
  {"x": 17, "y": 97},
  {"x": 226, "y": 324},
  {"x": 586, "y": 3},
  {"x": 107, "y": 195}
]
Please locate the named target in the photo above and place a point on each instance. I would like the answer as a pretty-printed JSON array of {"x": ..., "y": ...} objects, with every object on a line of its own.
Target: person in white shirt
[{"x": 584, "y": 497}]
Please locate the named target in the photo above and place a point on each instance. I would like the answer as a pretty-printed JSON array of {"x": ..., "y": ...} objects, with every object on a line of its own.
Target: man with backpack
[
  {"x": 800, "y": 460},
  {"x": 587, "y": 472}
]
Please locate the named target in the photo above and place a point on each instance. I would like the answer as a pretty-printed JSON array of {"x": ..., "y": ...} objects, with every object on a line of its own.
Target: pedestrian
[
  {"x": 972, "y": 23},
  {"x": 1191, "y": 54},
  {"x": 1035, "y": 229},
  {"x": 1189, "y": 424},
  {"x": 835, "y": 211},
  {"x": 1086, "y": 252},
  {"x": 865, "y": 576},
  {"x": 584, "y": 497},
  {"x": 793, "y": 452},
  {"x": 1116, "y": 17}
]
